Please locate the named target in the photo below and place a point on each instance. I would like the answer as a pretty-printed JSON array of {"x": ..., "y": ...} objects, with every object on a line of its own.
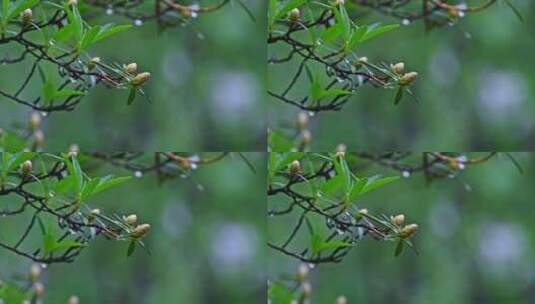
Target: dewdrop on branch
[
  {"x": 408, "y": 78},
  {"x": 141, "y": 78}
]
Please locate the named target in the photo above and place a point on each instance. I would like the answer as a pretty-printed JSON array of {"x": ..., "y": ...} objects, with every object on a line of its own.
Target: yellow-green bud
[
  {"x": 35, "y": 120},
  {"x": 38, "y": 289},
  {"x": 131, "y": 68},
  {"x": 341, "y": 300},
  {"x": 74, "y": 300},
  {"x": 408, "y": 230},
  {"x": 408, "y": 78},
  {"x": 72, "y": 2},
  {"x": 363, "y": 59},
  {"x": 398, "y": 68},
  {"x": 27, "y": 15},
  {"x": 38, "y": 138},
  {"x": 26, "y": 167},
  {"x": 294, "y": 15},
  {"x": 35, "y": 272},
  {"x": 338, "y": 2},
  {"x": 74, "y": 149},
  {"x": 306, "y": 137},
  {"x": 295, "y": 167},
  {"x": 307, "y": 289},
  {"x": 141, "y": 78},
  {"x": 302, "y": 272},
  {"x": 363, "y": 211},
  {"x": 140, "y": 231},
  {"x": 341, "y": 150},
  {"x": 302, "y": 120},
  {"x": 131, "y": 219},
  {"x": 398, "y": 219},
  {"x": 92, "y": 63},
  {"x": 95, "y": 211}
]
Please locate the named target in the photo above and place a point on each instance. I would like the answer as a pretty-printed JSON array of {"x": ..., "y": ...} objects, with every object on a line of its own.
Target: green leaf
[
  {"x": 376, "y": 182},
  {"x": 131, "y": 96},
  {"x": 376, "y": 30},
  {"x": 399, "y": 95},
  {"x": 67, "y": 92},
  {"x": 18, "y": 6},
  {"x": 88, "y": 37},
  {"x": 279, "y": 142},
  {"x": 108, "y": 182},
  {"x": 399, "y": 248},
  {"x": 110, "y": 29},
  {"x": 131, "y": 248},
  {"x": 315, "y": 243}
]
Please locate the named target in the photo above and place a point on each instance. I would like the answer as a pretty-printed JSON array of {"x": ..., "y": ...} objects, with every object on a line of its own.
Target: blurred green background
[
  {"x": 206, "y": 86},
  {"x": 476, "y": 246},
  {"x": 476, "y": 85},
  {"x": 206, "y": 242}
]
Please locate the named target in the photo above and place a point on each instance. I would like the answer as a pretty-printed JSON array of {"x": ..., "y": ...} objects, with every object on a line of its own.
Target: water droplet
[
  {"x": 311, "y": 265},
  {"x": 138, "y": 174},
  {"x": 311, "y": 113},
  {"x": 138, "y": 22},
  {"x": 405, "y": 22},
  {"x": 406, "y": 174}
]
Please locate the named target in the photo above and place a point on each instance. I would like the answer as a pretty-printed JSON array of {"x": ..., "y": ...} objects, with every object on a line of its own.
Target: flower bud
[
  {"x": 294, "y": 15},
  {"x": 338, "y": 2},
  {"x": 398, "y": 219},
  {"x": 72, "y": 2},
  {"x": 341, "y": 150},
  {"x": 408, "y": 230},
  {"x": 35, "y": 272},
  {"x": 140, "y": 231},
  {"x": 131, "y": 219},
  {"x": 26, "y": 167},
  {"x": 306, "y": 137},
  {"x": 26, "y": 15},
  {"x": 93, "y": 62},
  {"x": 74, "y": 300},
  {"x": 302, "y": 120},
  {"x": 363, "y": 211},
  {"x": 302, "y": 272},
  {"x": 398, "y": 67},
  {"x": 141, "y": 78},
  {"x": 307, "y": 289},
  {"x": 341, "y": 300},
  {"x": 38, "y": 138},
  {"x": 295, "y": 167},
  {"x": 95, "y": 211},
  {"x": 38, "y": 289},
  {"x": 408, "y": 78},
  {"x": 35, "y": 120},
  {"x": 131, "y": 68},
  {"x": 363, "y": 59},
  {"x": 74, "y": 149}
]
